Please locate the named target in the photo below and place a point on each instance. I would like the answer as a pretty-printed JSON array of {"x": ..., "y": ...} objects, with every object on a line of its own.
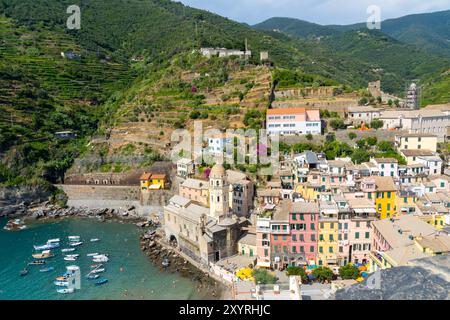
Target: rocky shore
[
  {"x": 45, "y": 210},
  {"x": 161, "y": 255}
]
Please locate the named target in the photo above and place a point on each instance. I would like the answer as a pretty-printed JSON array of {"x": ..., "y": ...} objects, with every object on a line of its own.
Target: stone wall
[{"x": 99, "y": 192}]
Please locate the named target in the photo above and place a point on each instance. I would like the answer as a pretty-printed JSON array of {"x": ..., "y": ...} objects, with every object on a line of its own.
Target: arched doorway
[{"x": 173, "y": 241}]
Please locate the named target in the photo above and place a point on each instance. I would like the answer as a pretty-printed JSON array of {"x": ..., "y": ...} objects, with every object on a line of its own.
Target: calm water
[{"x": 140, "y": 279}]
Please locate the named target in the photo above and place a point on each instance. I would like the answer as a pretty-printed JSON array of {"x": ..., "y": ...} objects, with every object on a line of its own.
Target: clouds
[{"x": 319, "y": 11}]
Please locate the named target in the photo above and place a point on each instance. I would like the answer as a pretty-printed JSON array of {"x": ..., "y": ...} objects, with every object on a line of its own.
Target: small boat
[
  {"x": 93, "y": 276},
  {"x": 92, "y": 254},
  {"x": 100, "y": 258},
  {"x": 74, "y": 238},
  {"x": 43, "y": 255},
  {"x": 47, "y": 269},
  {"x": 14, "y": 225},
  {"x": 65, "y": 290},
  {"x": 62, "y": 278},
  {"x": 70, "y": 258},
  {"x": 95, "y": 240},
  {"x": 68, "y": 250},
  {"x": 165, "y": 263},
  {"x": 96, "y": 265},
  {"x": 61, "y": 283},
  {"x": 72, "y": 255},
  {"x": 23, "y": 272},
  {"x": 99, "y": 270},
  {"x": 101, "y": 281},
  {"x": 47, "y": 246},
  {"x": 54, "y": 241},
  {"x": 37, "y": 263},
  {"x": 76, "y": 244}
]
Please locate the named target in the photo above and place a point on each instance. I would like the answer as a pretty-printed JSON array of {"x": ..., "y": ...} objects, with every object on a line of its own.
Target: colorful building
[
  {"x": 328, "y": 234},
  {"x": 291, "y": 121},
  {"x": 386, "y": 197},
  {"x": 303, "y": 219},
  {"x": 152, "y": 181}
]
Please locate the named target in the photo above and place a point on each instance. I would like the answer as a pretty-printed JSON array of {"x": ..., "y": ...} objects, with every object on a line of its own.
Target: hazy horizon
[{"x": 325, "y": 12}]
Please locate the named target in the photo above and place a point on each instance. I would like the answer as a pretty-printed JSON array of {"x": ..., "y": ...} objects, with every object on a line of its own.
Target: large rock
[{"x": 424, "y": 279}]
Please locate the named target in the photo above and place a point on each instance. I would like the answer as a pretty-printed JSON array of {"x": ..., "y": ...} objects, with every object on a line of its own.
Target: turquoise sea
[{"x": 130, "y": 273}]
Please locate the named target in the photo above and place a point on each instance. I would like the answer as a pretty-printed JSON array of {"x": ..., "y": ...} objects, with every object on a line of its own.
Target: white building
[
  {"x": 360, "y": 114},
  {"x": 185, "y": 167},
  {"x": 387, "y": 167},
  {"x": 425, "y": 121},
  {"x": 291, "y": 121}
]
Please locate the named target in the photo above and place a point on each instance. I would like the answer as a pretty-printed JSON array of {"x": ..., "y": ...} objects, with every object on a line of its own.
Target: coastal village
[
  {"x": 294, "y": 233},
  {"x": 315, "y": 213}
]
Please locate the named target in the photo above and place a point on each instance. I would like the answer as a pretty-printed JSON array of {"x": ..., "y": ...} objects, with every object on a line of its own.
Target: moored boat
[
  {"x": 23, "y": 272},
  {"x": 43, "y": 255},
  {"x": 68, "y": 250},
  {"x": 92, "y": 254},
  {"x": 49, "y": 269},
  {"x": 69, "y": 259},
  {"x": 92, "y": 276},
  {"x": 99, "y": 270},
  {"x": 72, "y": 255},
  {"x": 76, "y": 244},
  {"x": 101, "y": 281},
  {"x": 165, "y": 263},
  {"x": 37, "y": 263},
  {"x": 95, "y": 240},
  {"x": 61, "y": 283},
  {"x": 74, "y": 238},
  {"x": 65, "y": 290}
]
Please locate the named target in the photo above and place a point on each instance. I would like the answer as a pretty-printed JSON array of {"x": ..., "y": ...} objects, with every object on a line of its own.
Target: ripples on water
[{"x": 131, "y": 275}]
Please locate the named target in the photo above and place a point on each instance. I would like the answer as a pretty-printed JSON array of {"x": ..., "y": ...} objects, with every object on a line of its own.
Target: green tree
[
  {"x": 263, "y": 276},
  {"x": 385, "y": 146},
  {"x": 323, "y": 274},
  {"x": 352, "y": 135},
  {"x": 376, "y": 124},
  {"x": 337, "y": 124},
  {"x": 309, "y": 137},
  {"x": 360, "y": 156},
  {"x": 297, "y": 271},
  {"x": 349, "y": 272},
  {"x": 371, "y": 141}
]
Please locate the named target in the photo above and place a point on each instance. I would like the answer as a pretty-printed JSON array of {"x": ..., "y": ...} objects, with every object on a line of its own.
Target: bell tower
[{"x": 218, "y": 192}]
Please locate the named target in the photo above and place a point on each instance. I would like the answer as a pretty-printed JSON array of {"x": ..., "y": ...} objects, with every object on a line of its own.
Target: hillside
[
  {"x": 172, "y": 95},
  {"x": 41, "y": 93},
  {"x": 429, "y": 31},
  {"x": 296, "y": 27}
]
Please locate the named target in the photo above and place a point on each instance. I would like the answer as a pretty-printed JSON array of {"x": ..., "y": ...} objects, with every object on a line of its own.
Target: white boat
[
  {"x": 95, "y": 240},
  {"x": 99, "y": 270},
  {"x": 100, "y": 258},
  {"x": 73, "y": 238},
  {"x": 65, "y": 290},
  {"x": 72, "y": 255},
  {"x": 92, "y": 276},
  {"x": 70, "y": 258},
  {"x": 61, "y": 283},
  {"x": 51, "y": 244},
  {"x": 75, "y": 244},
  {"x": 92, "y": 254},
  {"x": 68, "y": 250},
  {"x": 54, "y": 241}
]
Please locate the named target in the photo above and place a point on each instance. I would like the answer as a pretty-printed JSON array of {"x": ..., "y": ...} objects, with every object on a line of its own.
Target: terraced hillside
[
  {"x": 41, "y": 93},
  {"x": 189, "y": 87}
]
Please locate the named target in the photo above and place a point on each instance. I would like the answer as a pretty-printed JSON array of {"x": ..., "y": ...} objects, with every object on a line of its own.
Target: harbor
[{"x": 108, "y": 254}]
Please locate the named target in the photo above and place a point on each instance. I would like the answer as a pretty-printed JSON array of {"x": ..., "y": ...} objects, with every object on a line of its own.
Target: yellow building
[
  {"x": 406, "y": 202},
  {"x": 436, "y": 220},
  {"x": 152, "y": 181},
  {"x": 386, "y": 197},
  {"x": 309, "y": 191},
  {"x": 416, "y": 141},
  {"x": 328, "y": 242}
]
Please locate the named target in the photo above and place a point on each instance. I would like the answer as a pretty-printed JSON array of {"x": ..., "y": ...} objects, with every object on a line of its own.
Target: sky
[{"x": 318, "y": 11}]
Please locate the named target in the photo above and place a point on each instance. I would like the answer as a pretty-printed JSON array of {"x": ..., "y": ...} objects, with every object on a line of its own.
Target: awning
[
  {"x": 368, "y": 210},
  {"x": 263, "y": 264}
]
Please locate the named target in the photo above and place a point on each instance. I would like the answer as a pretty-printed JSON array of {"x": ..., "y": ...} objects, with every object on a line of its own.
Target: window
[
  {"x": 356, "y": 235},
  {"x": 320, "y": 249},
  {"x": 331, "y": 237},
  {"x": 302, "y": 249},
  {"x": 313, "y": 237},
  {"x": 313, "y": 226},
  {"x": 294, "y": 249},
  {"x": 367, "y": 235},
  {"x": 321, "y": 237},
  {"x": 311, "y": 249},
  {"x": 266, "y": 252},
  {"x": 294, "y": 237},
  {"x": 294, "y": 216},
  {"x": 302, "y": 216},
  {"x": 275, "y": 237},
  {"x": 302, "y": 237},
  {"x": 330, "y": 249}
]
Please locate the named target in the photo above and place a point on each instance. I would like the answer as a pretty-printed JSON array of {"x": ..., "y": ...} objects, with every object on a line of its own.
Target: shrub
[
  {"x": 263, "y": 276},
  {"x": 349, "y": 272}
]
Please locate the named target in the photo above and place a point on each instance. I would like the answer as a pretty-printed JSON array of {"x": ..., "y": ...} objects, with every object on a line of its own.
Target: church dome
[{"x": 217, "y": 172}]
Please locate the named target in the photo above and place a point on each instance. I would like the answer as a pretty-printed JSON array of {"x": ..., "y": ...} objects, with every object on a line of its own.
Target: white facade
[{"x": 291, "y": 121}]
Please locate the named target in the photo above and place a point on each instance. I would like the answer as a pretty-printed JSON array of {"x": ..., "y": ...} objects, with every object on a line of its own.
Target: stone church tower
[{"x": 218, "y": 190}]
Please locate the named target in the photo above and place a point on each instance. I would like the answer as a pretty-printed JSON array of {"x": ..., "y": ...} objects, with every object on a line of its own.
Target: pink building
[
  {"x": 303, "y": 220},
  {"x": 196, "y": 190},
  {"x": 290, "y": 121},
  {"x": 280, "y": 237}
]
